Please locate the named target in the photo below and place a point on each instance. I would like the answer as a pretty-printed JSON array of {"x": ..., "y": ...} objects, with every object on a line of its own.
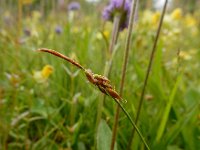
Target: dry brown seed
[
  {"x": 113, "y": 93},
  {"x": 101, "y": 78},
  {"x": 102, "y": 89},
  {"x": 90, "y": 76}
]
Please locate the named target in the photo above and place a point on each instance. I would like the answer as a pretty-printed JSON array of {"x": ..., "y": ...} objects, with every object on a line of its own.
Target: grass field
[{"x": 47, "y": 103}]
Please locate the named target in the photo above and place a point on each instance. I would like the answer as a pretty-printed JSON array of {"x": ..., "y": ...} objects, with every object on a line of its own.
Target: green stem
[
  {"x": 114, "y": 33},
  {"x": 149, "y": 67},
  {"x": 127, "y": 48},
  {"x": 73, "y": 108},
  {"x": 108, "y": 66},
  {"x": 133, "y": 123}
]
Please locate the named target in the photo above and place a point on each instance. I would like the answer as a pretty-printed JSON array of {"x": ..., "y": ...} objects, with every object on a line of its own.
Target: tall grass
[
  {"x": 125, "y": 61},
  {"x": 61, "y": 112},
  {"x": 149, "y": 66}
]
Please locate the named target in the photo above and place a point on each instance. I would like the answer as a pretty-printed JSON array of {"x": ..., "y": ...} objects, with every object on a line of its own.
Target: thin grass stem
[
  {"x": 149, "y": 68},
  {"x": 107, "y": 68},
  {"x": 133, "y": 123},
  {"x": 127, "y": 48}
]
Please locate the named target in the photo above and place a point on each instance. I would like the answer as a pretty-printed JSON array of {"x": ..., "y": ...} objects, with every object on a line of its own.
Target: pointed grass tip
[{"x": 55, "y": 53}]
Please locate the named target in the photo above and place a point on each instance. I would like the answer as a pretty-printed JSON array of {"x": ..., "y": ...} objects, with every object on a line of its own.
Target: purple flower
[
  {"x": 27, "y": 32},
  {"x": 114, "y": 7},
  {"x": 58, "y": 29},
  {"x": 73, "y": 6}
]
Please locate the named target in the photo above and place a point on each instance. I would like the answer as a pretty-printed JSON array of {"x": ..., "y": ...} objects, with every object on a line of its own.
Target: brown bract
[
  {"x": 90, "y": 76},
  {"x": 103, "y": 83},
  {"x": 113, "y": 93}
]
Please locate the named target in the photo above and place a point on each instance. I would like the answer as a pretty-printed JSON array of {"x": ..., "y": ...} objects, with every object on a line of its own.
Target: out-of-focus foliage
[{"x": 45, "y": 103}]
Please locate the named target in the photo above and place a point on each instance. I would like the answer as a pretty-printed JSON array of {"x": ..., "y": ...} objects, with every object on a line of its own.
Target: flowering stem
[
  {"x": 149, "y": 67},
  {"x": 127, "y": 47},
  {"x": 108, "y": 66},
  {"x": 132, "y": 122}
]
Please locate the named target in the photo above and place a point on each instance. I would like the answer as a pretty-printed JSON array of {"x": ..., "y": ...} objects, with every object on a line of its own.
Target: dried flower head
[{"x": 115, "y": 7}]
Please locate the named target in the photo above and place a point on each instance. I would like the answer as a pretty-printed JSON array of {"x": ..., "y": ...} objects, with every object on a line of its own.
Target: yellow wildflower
[
  {"x": 43, "y": 75},
  {"x": 46, "y": 71},
  {"x": 36, "y": 15},
  {"x": 147, "y": 16},
  {"x": 155, "y": 18},
  {"x": 75, "y": 30},
  {"x": 190, "y": 21},
  {"x": 185, "y": 55},
  {"x": 100, "y": 35},
  {"x": 106, "y": 33},
  {"x": 176, "y": 14}
]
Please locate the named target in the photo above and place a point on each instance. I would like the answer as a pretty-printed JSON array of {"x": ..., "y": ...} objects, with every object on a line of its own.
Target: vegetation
[{"x": 47, "y": 103}]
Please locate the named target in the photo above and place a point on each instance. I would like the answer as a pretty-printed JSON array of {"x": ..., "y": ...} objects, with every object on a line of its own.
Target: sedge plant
[{"x": 103, "y": 84}]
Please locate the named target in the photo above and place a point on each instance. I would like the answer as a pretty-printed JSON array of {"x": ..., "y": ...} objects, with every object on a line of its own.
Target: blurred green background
[{"x": 46, "y": 103}]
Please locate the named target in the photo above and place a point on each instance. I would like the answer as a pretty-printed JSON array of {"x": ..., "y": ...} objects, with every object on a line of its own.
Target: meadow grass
[{"x": 61, "y": 112}]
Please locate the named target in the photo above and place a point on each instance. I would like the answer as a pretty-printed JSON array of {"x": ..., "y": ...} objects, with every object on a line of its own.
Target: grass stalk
[
  {"x": 107, "y": 68},
  {"x": 114, "y": 33},
  {"x": 133, "y": 123},
  {"x": 149, "y": 70},
  {"x": 127, "y": 48},
  {"x": 167, "y": 110},
  {"x": 73, "y": 107}
]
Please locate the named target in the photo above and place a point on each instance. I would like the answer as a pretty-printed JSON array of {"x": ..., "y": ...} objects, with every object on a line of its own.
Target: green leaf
[
  {"x": 77, "y": 129},
  {"x": 167, "y": 110},
  {"x": 178, "y": 127},
  {"x": 104, "y": 136},
  {"x": 192, "y": 97}
]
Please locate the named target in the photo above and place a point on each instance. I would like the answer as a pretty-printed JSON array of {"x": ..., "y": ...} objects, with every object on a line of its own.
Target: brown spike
[
  {"x": 90, "y": 76},
  {"x": 102, "y": 89},
  {"x": 113, "y": 93},
  {"x": 61, "y": 56}
]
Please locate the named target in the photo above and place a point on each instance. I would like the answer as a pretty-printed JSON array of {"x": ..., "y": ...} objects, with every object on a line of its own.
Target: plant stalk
[
  {"x": 149, "y": 69},
  {"x": 107, "y": 68},
  {"x": 133, "y": 123},
  {"x": 73, "y": 107},
  {"x": 127, "y": 48},
  {"x": 114, "y": 33}
]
